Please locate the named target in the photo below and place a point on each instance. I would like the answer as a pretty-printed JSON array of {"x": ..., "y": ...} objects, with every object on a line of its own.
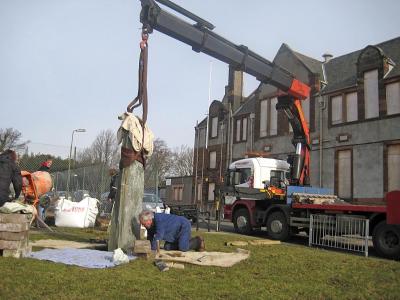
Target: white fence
[{"x": 340, "y": 232}]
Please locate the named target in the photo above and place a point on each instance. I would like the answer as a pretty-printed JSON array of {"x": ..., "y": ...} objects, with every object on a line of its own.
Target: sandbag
[{"x": 76, "y": 214}]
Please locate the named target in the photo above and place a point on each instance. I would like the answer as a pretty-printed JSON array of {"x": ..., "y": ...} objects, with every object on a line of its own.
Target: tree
[
  {"x": 182, "y": 161},
  {"x": 159, "y": 164},
  {"x": 10, "y": 139},
  {"x": 94, "y": 162},
  {"x": 104, "y": 150}
]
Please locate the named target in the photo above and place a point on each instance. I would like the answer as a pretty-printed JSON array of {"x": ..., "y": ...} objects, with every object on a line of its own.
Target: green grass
[{"x": 272, "y": 272}]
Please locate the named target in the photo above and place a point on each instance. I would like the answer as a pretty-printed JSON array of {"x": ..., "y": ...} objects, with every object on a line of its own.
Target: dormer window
[{"x": 214, "y": 127}]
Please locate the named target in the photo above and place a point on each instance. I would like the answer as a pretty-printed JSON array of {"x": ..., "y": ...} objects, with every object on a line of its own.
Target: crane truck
[{"x": 264, "y": 191}]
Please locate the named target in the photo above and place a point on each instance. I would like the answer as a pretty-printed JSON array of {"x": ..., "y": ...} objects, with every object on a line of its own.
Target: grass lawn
[{"x": 271, "y": 272}]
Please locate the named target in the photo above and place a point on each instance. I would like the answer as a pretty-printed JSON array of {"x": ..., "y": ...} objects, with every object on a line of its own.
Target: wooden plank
[
  {"x": 13, "y": 236},
  {"x": 12, "y": 227},
  {"x": 15, "y": 218}
]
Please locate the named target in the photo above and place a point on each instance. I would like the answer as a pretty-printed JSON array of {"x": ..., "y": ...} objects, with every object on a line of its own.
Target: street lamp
[{"x": 69, "y": 159}]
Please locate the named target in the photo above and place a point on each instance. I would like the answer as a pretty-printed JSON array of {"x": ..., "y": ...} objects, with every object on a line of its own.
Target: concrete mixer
[{"x": 35, "y": 185}]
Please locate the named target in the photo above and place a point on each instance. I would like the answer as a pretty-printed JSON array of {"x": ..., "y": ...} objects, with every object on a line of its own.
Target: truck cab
[
  {"x": 249, "y": 179},
  {"x": 257, "y": 172}
]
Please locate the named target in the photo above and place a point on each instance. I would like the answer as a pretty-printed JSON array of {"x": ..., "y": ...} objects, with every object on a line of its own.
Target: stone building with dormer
[{"x": 353, "y": 113}]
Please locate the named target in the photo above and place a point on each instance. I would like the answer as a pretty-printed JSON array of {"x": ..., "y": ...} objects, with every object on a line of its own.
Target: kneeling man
[{"x": 174, "y": 230}]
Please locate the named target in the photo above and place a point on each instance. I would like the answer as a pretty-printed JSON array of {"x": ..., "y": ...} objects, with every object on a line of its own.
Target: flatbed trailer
[{"x": 284, "y": 219}]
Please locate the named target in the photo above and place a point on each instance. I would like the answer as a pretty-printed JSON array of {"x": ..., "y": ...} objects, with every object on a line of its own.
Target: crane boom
[{"x": 202, "y": 39}]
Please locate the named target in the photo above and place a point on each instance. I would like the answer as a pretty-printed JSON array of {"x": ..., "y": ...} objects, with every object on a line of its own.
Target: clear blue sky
[{"x": 73, "y": 64}]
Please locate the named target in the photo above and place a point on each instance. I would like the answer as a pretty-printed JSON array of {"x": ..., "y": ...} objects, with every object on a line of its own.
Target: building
[
  {"x": 353, "y": 114},
  {"x": 178, "y": 190}
]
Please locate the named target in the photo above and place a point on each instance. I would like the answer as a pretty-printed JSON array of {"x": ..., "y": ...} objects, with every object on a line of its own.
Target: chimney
[
  {"x": 235, "y": 83},
  {"x": 327, "y": 57}
]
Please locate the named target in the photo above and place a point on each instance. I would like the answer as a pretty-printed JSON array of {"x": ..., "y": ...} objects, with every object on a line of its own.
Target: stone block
[
  {"x": 13, "y": 236},
  {"x": 14, "y": 245},
  {"x": 142, "y": 247},
  {"x": 15, "y": 218},
  {"x": 14, "y": 227},
  {"x": 18, "y": 253}
]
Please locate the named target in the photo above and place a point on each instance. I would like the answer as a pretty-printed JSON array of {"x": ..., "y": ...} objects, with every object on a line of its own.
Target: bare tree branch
[{"x": 10, "y": 139}]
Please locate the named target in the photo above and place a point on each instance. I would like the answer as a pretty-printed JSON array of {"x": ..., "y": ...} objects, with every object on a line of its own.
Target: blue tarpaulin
[{"x": 86, "y": 258}]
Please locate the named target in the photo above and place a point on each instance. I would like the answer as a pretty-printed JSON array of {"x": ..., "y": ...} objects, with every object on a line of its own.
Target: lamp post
[{"x": 69, "y": 159}]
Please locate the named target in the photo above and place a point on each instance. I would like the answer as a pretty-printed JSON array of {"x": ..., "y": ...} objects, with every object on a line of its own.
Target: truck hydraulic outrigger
[{"x": 202, "y": 39}]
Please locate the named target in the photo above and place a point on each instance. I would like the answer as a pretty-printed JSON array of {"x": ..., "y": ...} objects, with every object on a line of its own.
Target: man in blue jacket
[{"x": 174, "y": 230}]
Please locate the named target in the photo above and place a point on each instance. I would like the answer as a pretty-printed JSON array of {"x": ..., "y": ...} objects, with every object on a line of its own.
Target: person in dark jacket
[
  {"x": 174, "y": 230},
  {"x": 113, "y": 185},
  {"x": 9, "y": 173}
]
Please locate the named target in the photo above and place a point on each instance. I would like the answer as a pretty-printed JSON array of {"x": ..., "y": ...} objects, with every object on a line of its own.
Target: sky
[{"x": 73, "y": 64}]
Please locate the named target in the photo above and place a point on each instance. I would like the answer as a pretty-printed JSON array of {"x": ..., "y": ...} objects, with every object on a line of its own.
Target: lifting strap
[{"x": 141, "y": 97}]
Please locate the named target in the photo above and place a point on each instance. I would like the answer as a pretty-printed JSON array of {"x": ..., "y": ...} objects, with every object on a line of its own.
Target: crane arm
[{"x": 202, "y": 39}]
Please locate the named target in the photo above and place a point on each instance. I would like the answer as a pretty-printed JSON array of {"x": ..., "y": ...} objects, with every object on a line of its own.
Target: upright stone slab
[{"x": 125, "y": 226}]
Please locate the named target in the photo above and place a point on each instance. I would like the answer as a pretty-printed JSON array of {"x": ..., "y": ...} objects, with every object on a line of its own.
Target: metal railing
[{"x": 339, "y": 232}]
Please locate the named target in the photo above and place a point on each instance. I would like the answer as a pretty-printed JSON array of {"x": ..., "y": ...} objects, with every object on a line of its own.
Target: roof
[
  {"x": 247, "y": 107},
  {"x": 314, "y": 65},
  {"x": 311, "y": 64},
  {"x": 341, "y": 71}
]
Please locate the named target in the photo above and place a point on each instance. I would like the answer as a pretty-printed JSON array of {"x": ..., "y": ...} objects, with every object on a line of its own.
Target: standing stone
[{"x": 125, "y": 226}]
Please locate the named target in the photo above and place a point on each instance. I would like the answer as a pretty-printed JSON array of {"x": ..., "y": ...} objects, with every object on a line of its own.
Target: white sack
[{"x": 76, "y": 214}]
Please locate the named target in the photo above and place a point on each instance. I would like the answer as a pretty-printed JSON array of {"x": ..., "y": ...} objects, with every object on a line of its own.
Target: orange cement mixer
[{"x": 35, "y": 184}]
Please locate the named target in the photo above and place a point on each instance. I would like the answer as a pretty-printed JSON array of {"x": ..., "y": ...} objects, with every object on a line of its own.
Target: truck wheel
[
  {"x": 277, "y": 226},
  {"x": 241, "y": 221},
  {"x": 386, "y": 240}
]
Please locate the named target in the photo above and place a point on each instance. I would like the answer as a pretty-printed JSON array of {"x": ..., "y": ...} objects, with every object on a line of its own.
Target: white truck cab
[{"x": 257, "y": 172}]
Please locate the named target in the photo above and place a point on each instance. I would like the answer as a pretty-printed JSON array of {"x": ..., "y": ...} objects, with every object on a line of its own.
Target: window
[
  {"x": 337, "y": 110},
  {"x": 344, "y": 176},
  {"x": 244, "y": 129},
  {"x": 211, "y": 188},
  {"x": 393, "y": 98},
  {"x": 344, "y": 108},
  {"x": 199, "y": 192},
  {"x": 241, "y": 129},
  {"x": 273, "y": 129},
  {"x": 393, "y": 162},
  {"x": 238, "y": 122},
  {"x": 239, "y": 176},
  {"x": 371, "y": 95},
  {"x": 351, "y": 107},
  {"x": 213, "y": 160},
  {"x": 214, "y": 127},
  {"x": 263, "y": 117},
  {"x": 268, "y": 117},
  {"x": 177, "y": 192}
]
